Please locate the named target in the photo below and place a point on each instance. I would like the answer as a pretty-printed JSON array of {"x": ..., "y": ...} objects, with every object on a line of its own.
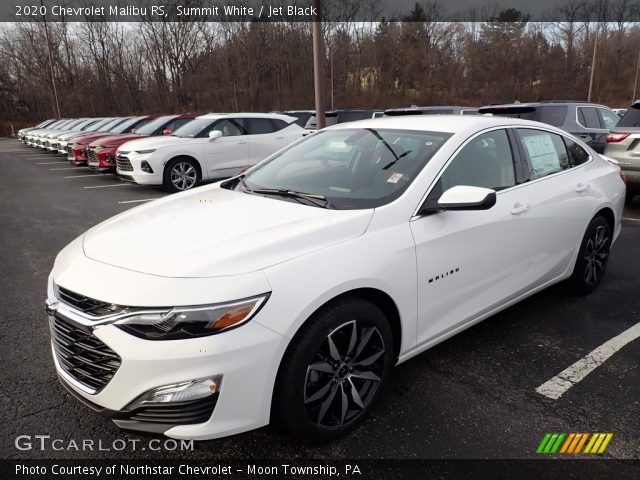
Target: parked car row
[
  {"x": 181, "y": 151},
  {"x": 176, "y": 151}
]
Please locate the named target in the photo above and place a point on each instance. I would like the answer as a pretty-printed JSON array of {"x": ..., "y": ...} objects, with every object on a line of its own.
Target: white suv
[{"x": 209, "y": 147}]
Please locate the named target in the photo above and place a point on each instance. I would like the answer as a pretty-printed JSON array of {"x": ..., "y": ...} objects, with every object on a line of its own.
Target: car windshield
[
  {"x": 350, "y": 168},
  {"x": 193, "y": 128},
  {"x": 129, "y": 123},
  {"x": 631, "y": 118},
  {"x": 96, "y": 126},
  {"x": 110, "y": 124},
  {"x": 153, "y": 125}
]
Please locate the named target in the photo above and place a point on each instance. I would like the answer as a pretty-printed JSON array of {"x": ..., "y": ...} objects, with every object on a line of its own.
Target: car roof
[
  {"x": 214, "y": 116},
  {"x": 542, "y": 104},
  {"x": 440, "y": 123}
]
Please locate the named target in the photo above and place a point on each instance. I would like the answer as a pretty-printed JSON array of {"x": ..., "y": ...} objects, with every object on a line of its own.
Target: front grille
[
  {"x": 91, "y": 155},
  {"x": 70, "y": 151},
  {"x": 179, "y": 413},
  {"x": 126, "y": 178},
  {"x": 82, "y": 355},
  {"x": 88, "y": 305},
  {"x": 124, "y": 164}
]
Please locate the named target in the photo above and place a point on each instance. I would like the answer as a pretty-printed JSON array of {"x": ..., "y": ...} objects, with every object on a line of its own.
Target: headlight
[
  {"x": 192, "y": 322},
  {"x": 142, "y": 152}
]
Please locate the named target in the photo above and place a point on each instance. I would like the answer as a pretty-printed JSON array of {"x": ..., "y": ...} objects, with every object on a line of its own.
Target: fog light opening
[
  {"x": 179, "y": 392},
  {"x": 145, "y": 167}
]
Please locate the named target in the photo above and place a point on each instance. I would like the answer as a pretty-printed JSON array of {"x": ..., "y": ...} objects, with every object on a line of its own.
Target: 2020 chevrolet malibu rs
[
  {"x": 212, "y": 146},
  {"x": 289, "y": 292}
]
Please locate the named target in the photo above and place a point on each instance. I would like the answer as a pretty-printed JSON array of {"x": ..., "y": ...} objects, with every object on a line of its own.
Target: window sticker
[
  {"x": 394, "y": 177},
  {"x": 543, "y": 154}
]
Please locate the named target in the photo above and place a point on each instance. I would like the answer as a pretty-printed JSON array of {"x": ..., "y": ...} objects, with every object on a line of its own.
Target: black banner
[
  {"x": 318, "y": 469},
  {"x": 615, "y": 11}
]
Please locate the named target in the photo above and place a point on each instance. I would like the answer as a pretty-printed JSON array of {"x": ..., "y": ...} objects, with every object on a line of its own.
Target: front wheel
[
  {"x": 333, "y": 371},
  {"x": 181, "y": 174},
  {"x": 593, "y": 257}
]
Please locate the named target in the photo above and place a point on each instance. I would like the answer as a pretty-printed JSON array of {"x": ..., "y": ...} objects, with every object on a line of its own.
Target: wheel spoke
[
  {"x": 354, "y": 336},
  {"x": 327, "y": 403},
  {"x": 333, "y": 351},
  {"x": 355, "y": 395},
  {"x": 369, "y": 360},
  {"x": 366, "y": 376},
  {"x": 322, "y": 367},
  {"x": 364, "y": 340},
  {"x": 319, "y": 394},
  {"x": 344, "y": 404}
]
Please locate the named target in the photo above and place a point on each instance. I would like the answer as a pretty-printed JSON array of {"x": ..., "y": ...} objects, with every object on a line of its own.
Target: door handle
[
  {"x": 585, "y": 136},
  {"x": 241, "y": 143},
  {"x": 519, "y": 208},
  {"x": 582, "y": 187}
]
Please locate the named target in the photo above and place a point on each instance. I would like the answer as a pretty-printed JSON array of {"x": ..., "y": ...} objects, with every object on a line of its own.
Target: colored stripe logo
[{"x": 572, "y": 443}]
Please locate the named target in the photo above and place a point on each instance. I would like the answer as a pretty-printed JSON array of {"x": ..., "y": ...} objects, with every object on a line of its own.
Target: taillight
[{"x": 616, "y": 137}]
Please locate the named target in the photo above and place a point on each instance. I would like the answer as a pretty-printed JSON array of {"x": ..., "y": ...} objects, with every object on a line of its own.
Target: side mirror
[
  {"x": 463, "y": 197},
  {"x": 167, "y": 131},
  {"x": 213, "y": 134}
]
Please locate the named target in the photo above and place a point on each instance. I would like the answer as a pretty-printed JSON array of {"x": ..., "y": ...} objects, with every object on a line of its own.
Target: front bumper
[
  {"x": 101, "y": 160},
  {"x": 247, "y": 357},
  {"x": 129, "y": 169}
]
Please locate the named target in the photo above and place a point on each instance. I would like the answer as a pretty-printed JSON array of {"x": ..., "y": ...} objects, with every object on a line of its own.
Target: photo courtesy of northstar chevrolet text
[{"x": 320, "y": 238}]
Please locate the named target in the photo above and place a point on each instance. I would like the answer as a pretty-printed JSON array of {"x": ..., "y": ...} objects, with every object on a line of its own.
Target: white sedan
[
  {"x": 212, "y": 146},
  {"x": 289, "y": 292}
]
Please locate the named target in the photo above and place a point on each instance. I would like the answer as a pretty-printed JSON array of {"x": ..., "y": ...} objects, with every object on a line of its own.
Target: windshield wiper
[
  {"x": 242, "y": 182},
  {"x": 317, "y": 200}
]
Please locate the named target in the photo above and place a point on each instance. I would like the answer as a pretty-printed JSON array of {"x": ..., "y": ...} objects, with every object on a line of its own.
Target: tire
[
  {"x": 324, "y": 392},
  {"x": 593, "y": 257},
  {"x": 181, "y": 174}
]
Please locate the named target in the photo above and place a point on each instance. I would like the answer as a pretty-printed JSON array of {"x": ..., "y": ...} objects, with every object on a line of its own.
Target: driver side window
[
  {"x": 228, "y": 127},
  {"x": 486, "y": 162}
]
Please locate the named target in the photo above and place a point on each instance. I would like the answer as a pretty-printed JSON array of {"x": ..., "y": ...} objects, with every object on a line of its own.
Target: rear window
[
  {"x": 631, "y": 118},
  {"x": 352, "y": 116},
  {"x": 549, "y": 114}
]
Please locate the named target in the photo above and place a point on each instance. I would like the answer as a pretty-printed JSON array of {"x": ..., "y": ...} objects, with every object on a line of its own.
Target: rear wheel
[
  {"x": 333, "y": 371},
  {"x": 181, "y": 174},
  {"x": 593, "y": 257}
]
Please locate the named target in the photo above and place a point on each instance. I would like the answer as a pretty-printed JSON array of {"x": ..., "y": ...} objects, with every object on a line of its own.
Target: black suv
[{"x": 587, "y": 121}]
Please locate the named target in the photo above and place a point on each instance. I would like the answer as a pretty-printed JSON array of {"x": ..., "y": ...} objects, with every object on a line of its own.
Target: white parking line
[
  {"x": 137, "y": 201},
  {"x": 111, "y": 185},
  {"x": 90, "y": 175},
  {"x": 566, "y": 379},
  {"x": 631, "y": 219},
  {"x": 65, "y": 168},
  {"x": 50, "y": 163}
]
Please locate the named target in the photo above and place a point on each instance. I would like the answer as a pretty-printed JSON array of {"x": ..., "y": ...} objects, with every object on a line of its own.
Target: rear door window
[
  {"x": 608, "y": 118},
  {"x": 588, "y": 116},
  {"x": 545, "y": 151},
  {"x": 577, "y": 154},
  {"x": 257, "y": 126}
]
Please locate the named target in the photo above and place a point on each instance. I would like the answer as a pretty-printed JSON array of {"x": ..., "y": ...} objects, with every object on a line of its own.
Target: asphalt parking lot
[{"x": 473, "y": 396}]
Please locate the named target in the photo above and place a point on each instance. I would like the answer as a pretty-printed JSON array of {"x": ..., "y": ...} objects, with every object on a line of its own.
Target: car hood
[
  {"x": 154, "y": 142},
  {"x": 211, "y": 232},
  {"x": 116, "y": 140},
  {"x": 84, "y": 139}
]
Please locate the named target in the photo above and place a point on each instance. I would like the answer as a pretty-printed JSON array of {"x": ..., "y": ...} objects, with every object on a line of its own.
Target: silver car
[{"x": 623, "y": 145}]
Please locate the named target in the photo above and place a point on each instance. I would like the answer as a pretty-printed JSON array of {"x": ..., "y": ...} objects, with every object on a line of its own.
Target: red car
[
  {"x": 76, "y": 149},
  {"x": 101, "y": 152}
]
